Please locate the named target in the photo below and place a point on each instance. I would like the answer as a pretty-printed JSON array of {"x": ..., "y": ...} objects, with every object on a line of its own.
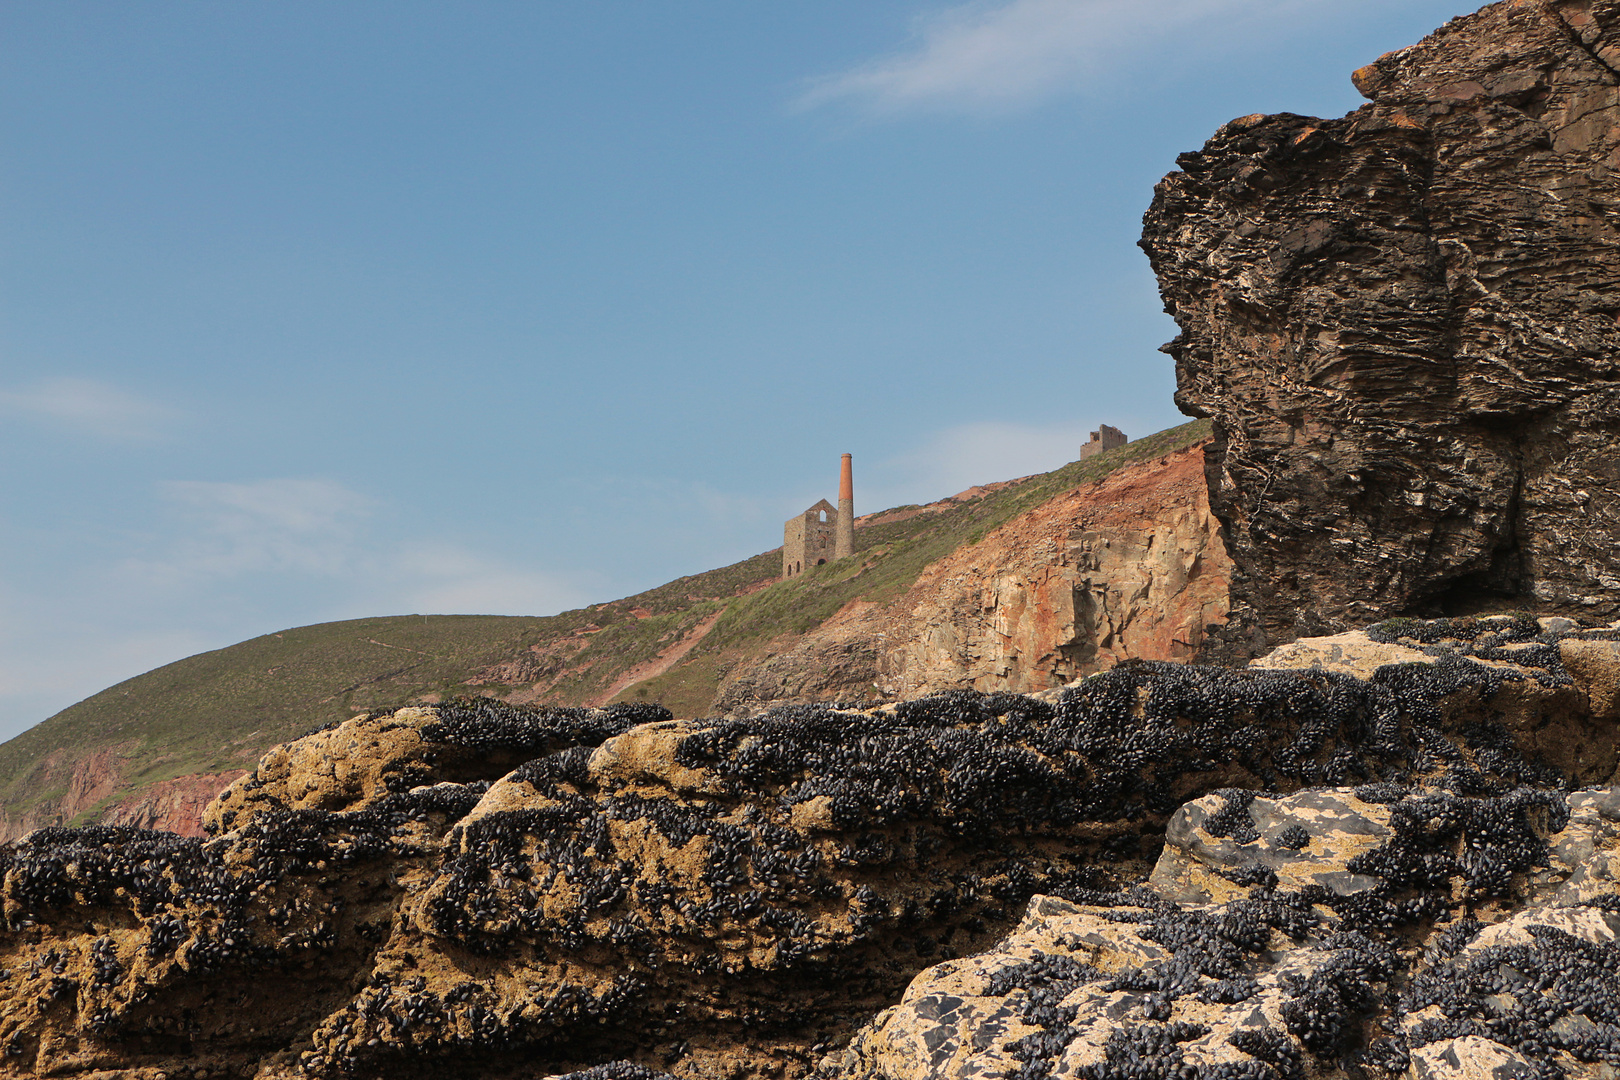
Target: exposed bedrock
[
  {"x": 487, "y": 890},
  {"x": 1346, "y": 940},
  {"x": 1405, "y": 324},
  {"x": 1128, "y": 566}
]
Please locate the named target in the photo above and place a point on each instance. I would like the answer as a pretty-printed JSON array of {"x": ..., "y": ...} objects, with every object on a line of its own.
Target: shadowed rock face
[{"x": 1404, "y": 325}]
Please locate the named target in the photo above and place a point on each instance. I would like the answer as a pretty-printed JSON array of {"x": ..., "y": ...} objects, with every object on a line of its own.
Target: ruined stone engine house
[
  {"x": 1104, "y": 438},
  {"x": 823, "y": 532}
]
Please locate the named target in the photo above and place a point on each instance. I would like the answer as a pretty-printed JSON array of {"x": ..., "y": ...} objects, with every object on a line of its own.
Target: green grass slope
[{"x": 221, "y": 710}]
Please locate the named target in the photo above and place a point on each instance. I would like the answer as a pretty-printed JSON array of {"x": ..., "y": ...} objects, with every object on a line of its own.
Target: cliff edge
[{"x": 1405, "y": 327}]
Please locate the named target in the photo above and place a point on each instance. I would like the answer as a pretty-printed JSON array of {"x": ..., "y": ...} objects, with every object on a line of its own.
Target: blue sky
[{"x": 311, "y": 311}]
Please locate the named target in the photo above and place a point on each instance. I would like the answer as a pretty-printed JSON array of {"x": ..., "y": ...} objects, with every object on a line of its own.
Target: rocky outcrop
[
  {"x": 1404, "y": 326},
  {"x": 491, "y": 890},
  {"x": 1346, "y": 941},
  {"x": 1130, "y": 566},
  {"x": 1464, "y": 929}
]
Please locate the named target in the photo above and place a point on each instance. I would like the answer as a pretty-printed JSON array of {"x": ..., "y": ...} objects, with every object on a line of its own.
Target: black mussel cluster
[
  {"x": 1325, "y": 1011},
  {"x": 1140, "y": 1051},
  {"x": 1555, "y": 994},
  {"x": 1271, "y": 1050},
  {"x": 1481, "y": 631},
  {"x": 1209, "y": 956},
  {"x": 618, "y": 1070},
  {"x": 1484, "y": 841},
  {"x": 1294, "y": 838},
  {"x": 1517, "y": 639},
  {"x": 504, "y": 862},
  {"x": 1232, "y": 820},
  {"x": 490, "y": 724},
  {"x": 1132, "y": 741},
  {"x": 1446, "y": 851},
  {"x": 1480, "y": 846},
  {"x": 200, "y": 903},
  {"x": 99, "y": 866},
  {"x": 388, "y": 1022}
]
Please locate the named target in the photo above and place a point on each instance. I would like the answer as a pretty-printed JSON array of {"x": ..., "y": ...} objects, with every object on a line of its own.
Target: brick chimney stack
[{"x": 844, "y": 537}]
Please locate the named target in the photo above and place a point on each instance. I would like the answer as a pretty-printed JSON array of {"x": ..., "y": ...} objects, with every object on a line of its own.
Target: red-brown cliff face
[
  {"x": 1406, "y": 328},
  {"x": 1129, "y": 566},
  {"x": 172, "y": 805},
  {"x": 86, "y": 783}
]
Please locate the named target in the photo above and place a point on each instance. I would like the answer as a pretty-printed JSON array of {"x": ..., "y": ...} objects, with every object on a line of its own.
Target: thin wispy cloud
[
  {"x": 988, "y": 57},
  {"x": 289, "y": 524},
  {"x": 90, "y": 407},
  {"x": 438, "y": 577},
  {"x": 307, "y": 531},
  {"x": 221, "y": 562}
]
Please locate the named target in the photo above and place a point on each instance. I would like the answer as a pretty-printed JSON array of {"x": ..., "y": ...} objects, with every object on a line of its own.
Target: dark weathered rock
[{"x": 1406, "y": 328}]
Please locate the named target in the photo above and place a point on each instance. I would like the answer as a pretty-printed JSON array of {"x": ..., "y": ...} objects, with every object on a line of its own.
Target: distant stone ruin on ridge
[
  {"x": 822, "y": 532},
  {"x": 1104, "y": 438}
]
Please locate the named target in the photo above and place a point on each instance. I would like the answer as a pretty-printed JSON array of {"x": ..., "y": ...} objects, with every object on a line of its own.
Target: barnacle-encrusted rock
[
  {"x": 355, "y": 764},
  {"x": 1129, "y": 985},
  {"x": 1549, "y": 666},
  {"x": 1537, "y": 993},
  {"x": 491, "y": 891},
  {"x": 1403, "y": 325},
  {"x": 1373, "y": 958},
  {"x": 1216, "y": 846}
]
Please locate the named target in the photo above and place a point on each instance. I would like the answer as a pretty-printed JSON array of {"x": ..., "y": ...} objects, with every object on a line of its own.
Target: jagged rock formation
[
  {"x": 1405, "y": 327},
  {"x": 1128, "y": 567},
  {"x": 1345, "y": 939},
  {"x": 492, "y": 891},
  {"x": 1460, "y": 930}
]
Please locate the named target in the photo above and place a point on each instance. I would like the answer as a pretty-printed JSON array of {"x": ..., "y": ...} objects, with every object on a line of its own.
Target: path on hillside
[{"x": 651, "y": 669}]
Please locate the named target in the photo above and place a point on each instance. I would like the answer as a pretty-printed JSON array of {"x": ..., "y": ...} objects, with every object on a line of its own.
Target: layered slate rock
[
  {"x": 1406, "y": 328},
  {"x": 485, "y": 890}
]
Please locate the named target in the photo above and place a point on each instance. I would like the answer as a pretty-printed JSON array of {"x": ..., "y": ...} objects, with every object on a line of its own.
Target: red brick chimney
[{"x": 844, "y": 537}]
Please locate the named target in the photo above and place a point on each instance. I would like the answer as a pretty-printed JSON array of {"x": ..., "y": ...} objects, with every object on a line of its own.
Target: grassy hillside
[{"x": 220, "y": 710}]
